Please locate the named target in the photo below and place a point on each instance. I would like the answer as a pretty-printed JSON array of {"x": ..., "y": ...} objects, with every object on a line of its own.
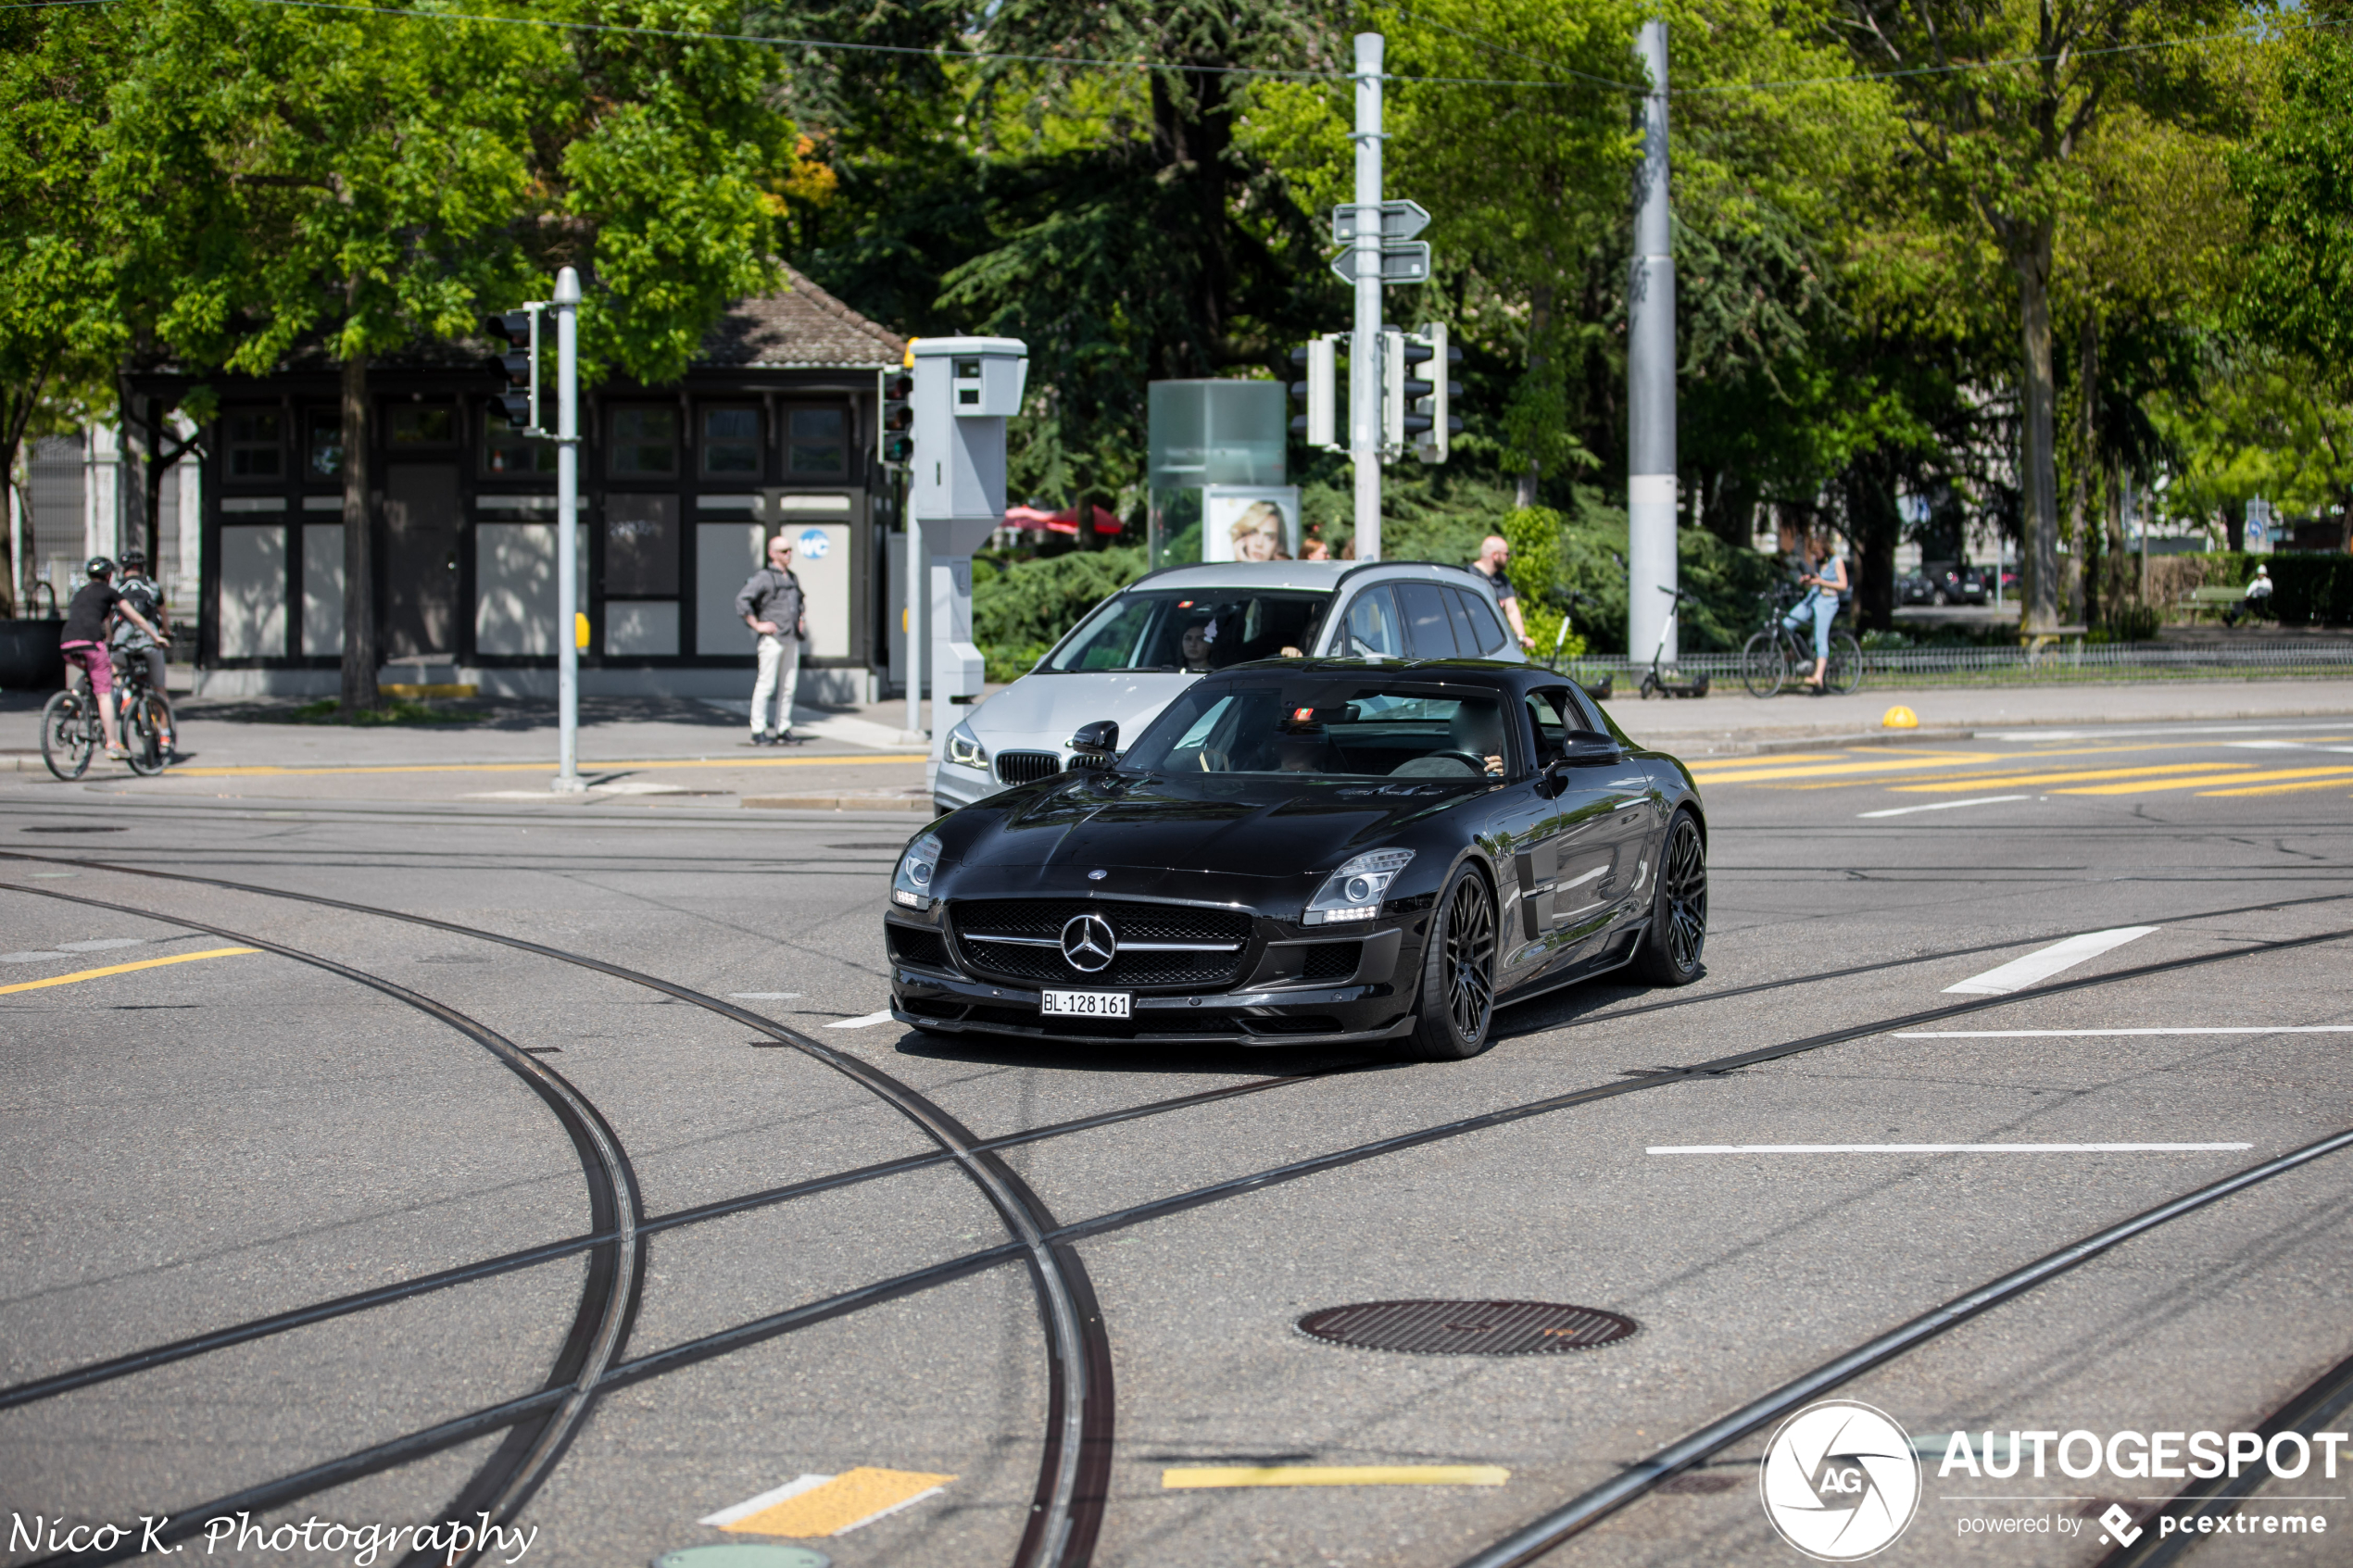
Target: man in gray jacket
[{"x": 771, "y": 605}]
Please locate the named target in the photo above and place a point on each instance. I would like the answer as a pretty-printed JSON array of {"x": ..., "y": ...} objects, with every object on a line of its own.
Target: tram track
[
  {"x": 610, "y": 1294},
  {"x": 1058, "y": 1240}
]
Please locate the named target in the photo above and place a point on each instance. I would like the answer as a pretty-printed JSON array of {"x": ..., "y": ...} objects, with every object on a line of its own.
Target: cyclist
[
  {"x": 82, "y": 639},
  {"x": 1824, "y": 582},
  {"x": 144, "y": 594}
]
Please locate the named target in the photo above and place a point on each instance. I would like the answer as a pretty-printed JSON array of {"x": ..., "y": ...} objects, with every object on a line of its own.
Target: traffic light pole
[
  {"x": 1364, "y": 349},
  {"x": 567, "y": 303},
  {"x": 1650, "y": 380}
]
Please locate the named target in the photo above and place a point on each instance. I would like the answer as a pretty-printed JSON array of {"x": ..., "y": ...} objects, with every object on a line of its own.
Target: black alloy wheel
[
  {"x": 1457, "y": 1008},
  {"x": 1672, "y": 948}
]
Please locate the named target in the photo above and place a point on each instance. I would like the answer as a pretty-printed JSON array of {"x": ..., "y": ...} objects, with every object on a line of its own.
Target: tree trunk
[
  {"x": 2117, "y": 580},
  {"x": 2038, "y": 557},
  {"x": 138, "y": 530},
  {"x": 2234, "y": 524},
  {"x": 359, "y": 574},
  {"x": 1874, "y": 524},
  {"x": 1540, "y": 323},
  {"x": 2083, "y": 588}
]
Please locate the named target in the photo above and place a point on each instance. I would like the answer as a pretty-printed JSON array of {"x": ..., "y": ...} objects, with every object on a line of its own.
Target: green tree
[
  {"x": 363, "y": 181},
  {"x": 1998, "y": 100}
]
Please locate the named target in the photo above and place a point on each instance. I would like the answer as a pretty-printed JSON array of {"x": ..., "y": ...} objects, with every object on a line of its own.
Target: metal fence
[{"x": 2065, "y": 663}]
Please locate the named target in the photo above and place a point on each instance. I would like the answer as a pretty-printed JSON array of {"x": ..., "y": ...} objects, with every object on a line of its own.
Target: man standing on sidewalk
[
  {"x": 771, "y": 605},
  {"x": 1494, "y": 555}
]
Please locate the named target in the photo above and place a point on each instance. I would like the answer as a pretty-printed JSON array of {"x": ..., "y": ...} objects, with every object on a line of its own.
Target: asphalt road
[{"x": 359, "y": 1102}]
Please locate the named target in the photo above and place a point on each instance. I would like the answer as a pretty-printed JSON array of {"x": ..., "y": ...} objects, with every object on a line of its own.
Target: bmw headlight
[
  {"x": 964, "y": 749},
  {"x": 1354, "y": 891},
  {"x": 911, "y": 884}
]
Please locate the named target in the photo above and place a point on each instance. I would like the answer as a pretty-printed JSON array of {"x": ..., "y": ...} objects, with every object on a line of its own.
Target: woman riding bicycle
[
  {"x": 1824, "y": 582},
  {"x": 82, "y": 639}
]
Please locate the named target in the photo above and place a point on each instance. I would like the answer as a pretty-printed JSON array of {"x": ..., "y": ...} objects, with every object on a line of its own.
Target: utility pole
[
  {"x": 567, "y": 303},
  {"x": 1650, "y": 377},
  {"x": 1364, "y": 348}
]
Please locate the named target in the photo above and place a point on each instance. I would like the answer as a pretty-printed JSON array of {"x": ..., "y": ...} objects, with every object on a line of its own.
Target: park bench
[{"x": 2231, "y": 602}]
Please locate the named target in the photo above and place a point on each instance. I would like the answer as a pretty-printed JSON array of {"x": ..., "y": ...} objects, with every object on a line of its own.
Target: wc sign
[{"x": 815, "y": 544}]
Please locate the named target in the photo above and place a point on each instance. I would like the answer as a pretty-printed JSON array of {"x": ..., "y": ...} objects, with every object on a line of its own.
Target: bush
[{"x": 1020, "y": 611}]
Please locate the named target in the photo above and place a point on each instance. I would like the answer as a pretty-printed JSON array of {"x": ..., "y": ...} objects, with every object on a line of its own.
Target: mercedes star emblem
[
  {"x": 1088, "y": 943},
  {"x": 1097, "y": 876}
]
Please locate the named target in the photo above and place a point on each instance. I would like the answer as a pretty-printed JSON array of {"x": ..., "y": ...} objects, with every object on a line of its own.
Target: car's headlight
[
  {"x": 911, "y": 883},
  {"x": 1353, "y": 892},
  {"x": 964, "y": 749}
]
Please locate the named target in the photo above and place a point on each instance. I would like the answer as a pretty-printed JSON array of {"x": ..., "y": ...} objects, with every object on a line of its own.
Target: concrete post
[
  {"x": 567, "y": 303},
  {"x": 1650, "y": 376}
]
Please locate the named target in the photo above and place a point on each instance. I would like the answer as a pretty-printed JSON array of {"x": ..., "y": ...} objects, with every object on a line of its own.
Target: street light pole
[
  {"x": 567, "y": 303},
  {"x": 1364, "y": 348},
  {"x": 1650, "y": 377}
]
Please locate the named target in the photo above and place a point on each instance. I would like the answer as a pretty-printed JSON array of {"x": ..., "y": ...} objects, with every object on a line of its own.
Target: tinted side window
[
  {"x": 1582, "y": 714},
  {"x": 1553, "y": 714},
  {"x": 1372, "y": 626},
  {"x": 1429, "y": 630},
  {"x": 1486, "y": 633}
]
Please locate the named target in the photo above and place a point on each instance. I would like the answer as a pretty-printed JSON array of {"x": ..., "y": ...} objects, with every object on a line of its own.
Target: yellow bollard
[
  {"x": 1900, "y": 718},
  {"x": 580, "y": 632}
]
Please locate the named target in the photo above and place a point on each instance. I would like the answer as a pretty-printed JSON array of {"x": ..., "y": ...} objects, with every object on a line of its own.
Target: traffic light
[
  {"x": 1320, "y": 392},
  {"x": 520, "y": 331},
  {"x": 898, "y": 417},
  {"x": 1431, "y": 438}
]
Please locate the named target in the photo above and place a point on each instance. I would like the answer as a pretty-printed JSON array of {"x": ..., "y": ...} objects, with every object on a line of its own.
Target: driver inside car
[
  {"x": 1475, "y": 730},
  {"x": 1195, "y": 646}
]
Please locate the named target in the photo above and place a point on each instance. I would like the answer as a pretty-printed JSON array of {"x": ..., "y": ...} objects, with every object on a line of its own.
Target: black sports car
[{"x": 1337, "y": 850}]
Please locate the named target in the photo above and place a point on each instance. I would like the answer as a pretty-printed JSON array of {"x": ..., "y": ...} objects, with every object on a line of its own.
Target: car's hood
[
  {"x": 1261, "y": 827},
  {"x": 1042, "y": 711}
]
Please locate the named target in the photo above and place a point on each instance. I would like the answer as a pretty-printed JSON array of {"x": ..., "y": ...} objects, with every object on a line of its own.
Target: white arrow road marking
[{"x": 2019, "y": 973}]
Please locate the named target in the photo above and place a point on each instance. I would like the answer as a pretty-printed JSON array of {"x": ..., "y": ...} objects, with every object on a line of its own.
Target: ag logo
[{"x": 1840, "y": 1481}]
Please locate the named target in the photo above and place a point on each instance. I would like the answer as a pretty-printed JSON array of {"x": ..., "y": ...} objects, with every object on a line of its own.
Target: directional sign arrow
[
  {"x": 1399, "y": 221},
  {"x": 1401, "y": 262}
]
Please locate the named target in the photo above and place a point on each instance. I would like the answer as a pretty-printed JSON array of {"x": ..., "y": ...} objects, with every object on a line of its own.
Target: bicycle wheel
[
  {"x": 1845, "y": 670},
  {"x": 144, "y": 726},
  {"x": 1763, "y": 667},
  {"x": 66, "y": 738}
]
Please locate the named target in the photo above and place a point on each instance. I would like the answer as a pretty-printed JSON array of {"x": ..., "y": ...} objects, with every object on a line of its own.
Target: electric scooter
[
  {"x": 1657, "y": 682},
  {"x": 1601, "y": 690}
]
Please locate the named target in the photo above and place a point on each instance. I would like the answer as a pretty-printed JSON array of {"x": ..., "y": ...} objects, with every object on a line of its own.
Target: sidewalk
[{"x": 682, "y": 753}]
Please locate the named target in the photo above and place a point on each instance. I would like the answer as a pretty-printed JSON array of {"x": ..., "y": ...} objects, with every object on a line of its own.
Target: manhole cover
[{"x": 1468, "y": 1328}]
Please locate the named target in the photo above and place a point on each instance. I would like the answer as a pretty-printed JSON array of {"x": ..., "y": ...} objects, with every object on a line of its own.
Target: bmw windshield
[
  {"x": 1349, "y": 728},
  {"x": 1191, "y": 630}
]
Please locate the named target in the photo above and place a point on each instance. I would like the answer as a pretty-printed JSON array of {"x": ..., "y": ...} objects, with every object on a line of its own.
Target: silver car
[{"x": 1131, "y": 656}]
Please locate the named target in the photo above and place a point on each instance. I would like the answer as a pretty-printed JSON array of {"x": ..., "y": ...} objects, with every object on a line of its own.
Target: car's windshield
[
  {"x": 1197, "y": 630},
  {"x": 1353, "y": 728}
]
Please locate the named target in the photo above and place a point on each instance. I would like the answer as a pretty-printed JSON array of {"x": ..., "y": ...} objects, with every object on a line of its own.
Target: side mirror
[
  {"x": 1095, "y": 744},
  {"x": 1590, "y": 747}
]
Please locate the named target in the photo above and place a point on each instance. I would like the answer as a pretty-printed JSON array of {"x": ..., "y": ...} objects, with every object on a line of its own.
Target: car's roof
[
  {"x": 1496, "y": 670},
  {"x": 1316, "y": 576}
]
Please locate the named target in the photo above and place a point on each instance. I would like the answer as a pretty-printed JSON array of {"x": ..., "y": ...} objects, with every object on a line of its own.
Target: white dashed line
[
  {"x": 1945, "y": 805},
  {"x": 1943, "y": 1147},
  {"x": 871, "y": 1019},
  {"x": 2019, "y": 973}
]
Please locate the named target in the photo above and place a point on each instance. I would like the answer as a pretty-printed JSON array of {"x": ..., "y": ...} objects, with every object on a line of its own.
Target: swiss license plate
[{"x": 1082, "y": 1004}]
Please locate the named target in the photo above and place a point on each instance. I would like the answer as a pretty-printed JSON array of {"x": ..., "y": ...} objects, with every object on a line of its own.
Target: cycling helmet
[
  {"x": 133, "y": 558},
  {"x": 99, "y": 565}
]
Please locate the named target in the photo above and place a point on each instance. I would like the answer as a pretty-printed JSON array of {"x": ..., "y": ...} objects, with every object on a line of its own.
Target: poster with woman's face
[{"x": 1239, "y": 523}]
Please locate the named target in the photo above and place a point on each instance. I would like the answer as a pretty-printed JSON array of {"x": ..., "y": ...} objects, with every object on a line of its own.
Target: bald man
[{"x": 1494, "y": 554}]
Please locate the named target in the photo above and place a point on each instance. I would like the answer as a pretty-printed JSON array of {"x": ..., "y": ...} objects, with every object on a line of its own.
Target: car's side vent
[
  {"x": 911, "y": 945},
  {"x": 1330, "y": 961},
  {"x": 1027, "y": 767}
]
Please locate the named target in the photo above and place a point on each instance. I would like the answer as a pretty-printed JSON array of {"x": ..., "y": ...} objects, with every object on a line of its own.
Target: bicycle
[
  {"x": 71, "y": 731},
  {"x": 1771, "y": 659}
]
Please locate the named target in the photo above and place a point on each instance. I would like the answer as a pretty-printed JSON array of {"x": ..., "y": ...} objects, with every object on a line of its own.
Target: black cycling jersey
[{"x": 86, "y": 616}]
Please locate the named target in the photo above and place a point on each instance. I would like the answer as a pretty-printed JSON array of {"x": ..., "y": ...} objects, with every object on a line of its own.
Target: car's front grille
[
  {"x": 1104, "y": 1028},
  {"x": 1027, "y": 767},
  {"x": 1330, "y": 961},
  {"x": 909, "y": 945},
  {"x": 1032, "y": 923}
]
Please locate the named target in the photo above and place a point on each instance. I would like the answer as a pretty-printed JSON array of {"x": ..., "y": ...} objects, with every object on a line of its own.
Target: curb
[{"x": 840, "y": 803}]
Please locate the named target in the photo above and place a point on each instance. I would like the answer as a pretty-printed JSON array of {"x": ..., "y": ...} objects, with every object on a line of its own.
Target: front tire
[
  {"x": 1672, "y": 945},
  {"x": 145, "y": 727},
  {"x": 66, "y": 743},
  {"x": 1762, "y": 669},
  {"x": 1455, "y": 1012},
  {"x": 1844, "y": 674}
]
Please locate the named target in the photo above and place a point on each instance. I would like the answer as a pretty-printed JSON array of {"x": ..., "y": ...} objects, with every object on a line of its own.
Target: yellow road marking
[
  {"x": 1753, "y": 770},
  {"x": 2334, "y": 775},
  {"x": 267, "y": 772},
  {"x": 1193, "y": 1476},
  {"x": 123, "y": 968},
  {"x": 1844, "y": 774},
  {"x": 2276, "y": 789},
  {"x": 845, "y": 1501},
  {"x": 2006, "y": 781}
]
